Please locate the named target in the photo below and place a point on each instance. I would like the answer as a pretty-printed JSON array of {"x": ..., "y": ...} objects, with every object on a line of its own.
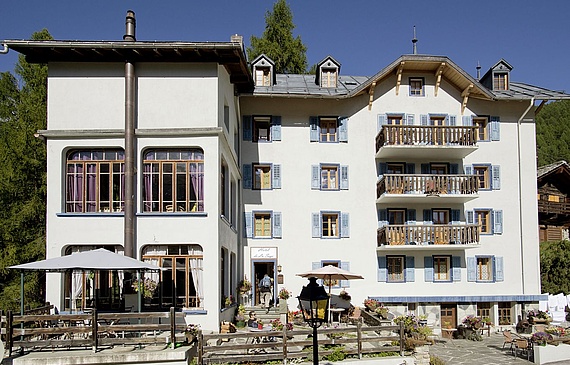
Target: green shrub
[
  {"x": 338, "y": 354},
  {"x": 434, "y": 360}
]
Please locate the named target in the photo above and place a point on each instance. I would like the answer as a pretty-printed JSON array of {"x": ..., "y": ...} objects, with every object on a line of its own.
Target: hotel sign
[{"x": 263, "y": 253}]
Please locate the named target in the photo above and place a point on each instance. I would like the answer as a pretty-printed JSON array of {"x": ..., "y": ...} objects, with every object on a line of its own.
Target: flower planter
[
  {"x": 550, "y": 353},
  {"x": 240, "y": 324}
]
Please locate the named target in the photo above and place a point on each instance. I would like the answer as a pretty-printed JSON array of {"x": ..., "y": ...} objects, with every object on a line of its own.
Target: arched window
[
  {"x": 95, "y": 181},
  {"x": 173, "y": 180}
]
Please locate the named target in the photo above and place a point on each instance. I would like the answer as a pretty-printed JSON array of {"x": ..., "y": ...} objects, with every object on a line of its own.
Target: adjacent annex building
[{"x": 420, "y": 178}]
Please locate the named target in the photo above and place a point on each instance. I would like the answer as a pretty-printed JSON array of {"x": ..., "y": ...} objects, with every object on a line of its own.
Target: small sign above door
[{"x": 263, "y": 253}]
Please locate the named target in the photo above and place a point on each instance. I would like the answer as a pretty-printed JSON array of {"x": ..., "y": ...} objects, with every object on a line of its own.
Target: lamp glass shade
[{"x": 313, "y": 302}]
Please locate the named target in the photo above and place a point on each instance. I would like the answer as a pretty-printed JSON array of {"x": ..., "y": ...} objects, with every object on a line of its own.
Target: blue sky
[{"x": 364, "y": 36}]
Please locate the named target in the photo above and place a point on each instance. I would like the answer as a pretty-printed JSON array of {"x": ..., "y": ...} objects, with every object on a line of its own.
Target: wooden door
[{"x": 448, "y": 314}]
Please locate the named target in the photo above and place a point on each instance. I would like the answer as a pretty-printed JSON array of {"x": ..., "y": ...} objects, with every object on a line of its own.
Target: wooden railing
[
  {"x": 288, "y": 345},
  {"x": 428, "y": 234},
  {"x": 90, "y": 330},
  {"x": 426, "y": 135},
  {"x": 553, "y": 207},
  {"x": 427, "y": 184}
]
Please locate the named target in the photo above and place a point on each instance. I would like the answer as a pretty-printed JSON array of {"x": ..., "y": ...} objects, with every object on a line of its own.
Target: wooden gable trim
[
  {"x": 399, "y": 79},
  {"x": 371, "y": 95},
  {"x": 465, "y": 95}
]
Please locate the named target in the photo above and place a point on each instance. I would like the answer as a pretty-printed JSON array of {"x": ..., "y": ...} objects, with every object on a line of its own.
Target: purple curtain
[
  {"x": 91, "y": 201},
  {"x": 147, "y": 187},
  {"x": 74, "y": 188}
]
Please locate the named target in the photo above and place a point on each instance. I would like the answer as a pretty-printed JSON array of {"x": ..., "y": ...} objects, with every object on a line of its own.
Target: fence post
[
  {"x": 285, "y": 344},
  {"x": 200, "y": 347},
  {"x": 359, "y": 337},
  {"x": 173, "y": 327},
  {"x": 94, "y": 330},
  {"x": 9, "y": 331},
  {"x": 402, "y": 338}
]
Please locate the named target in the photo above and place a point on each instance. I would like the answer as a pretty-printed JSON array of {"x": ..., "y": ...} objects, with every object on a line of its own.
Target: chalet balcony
[
  {"x": 415, "y": 188},
  {"x": 409, "y": 141},
  {"x": 547, "y": 207},
  {"x": 428, "y": 236}
]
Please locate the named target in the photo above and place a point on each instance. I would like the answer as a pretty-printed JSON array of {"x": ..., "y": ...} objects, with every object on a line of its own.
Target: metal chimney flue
[{"x": 130, "y": 27}]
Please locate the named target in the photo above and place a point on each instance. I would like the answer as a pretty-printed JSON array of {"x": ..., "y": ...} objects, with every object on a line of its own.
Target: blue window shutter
[
  {"x": 316, "y": 265},
  {"x": 467, "y": 120},
  {"x": 424, "y": 119},
  {"x": 428, "y": 268},
  {"x": 470, "y": 217},
  {"x": 314, "y": 124},
  {"x": 343, "y": 129},
  {"x": 456, "y": 265},
  {"x": 276, "y": 231},
  {"x": 276, "y": 176},
  {"x": 452, "y": 120},
  {"x": 345, "y": 266},
  {"x": 247, "y": 177},
  {"x": 344, "y": 177},
  {"x": 344, "y": 225},
  {"x": 382, "y": 270},
  {"x": 495, "y": 129},
  {"x": 425, "y": 168},
  {"x": 455, "y": 215},
  {"x": 248, "y": 224},
  {"x": 471, "y": 269},
  {"x": 382, "y": 167},
  {"x": 499, "y": 269},
  {"x": 497, "y": 221},
  {"x": 409, "y": 119},
  {"x": 382, "y": 120},
  {"x": 316, "y": 224},
  {"x": 453, "y": 168},
  {"x": 410, "y": 168},
  {"x": 315, "y": 177},
  {"x": 275, "y": 128},
  {"x": 382, "y": 218},
  {"x": 496, "y": 176},
  {"x": 410, "y": 274},
  {"x": 468, "y": 169},
  {"x": 427, "y": 216},
  {"x": 247, "y": 135},
  {"x": 411, "y": 215}
]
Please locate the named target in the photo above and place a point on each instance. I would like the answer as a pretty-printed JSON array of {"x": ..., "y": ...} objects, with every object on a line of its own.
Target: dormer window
[
  {"x": 263, "y": 76},
  {"x": 500, "y": 81},
  {"x": 327, "y": 73},
  {"x": 328, "y": 77},
  {"x": 263, "y": 69},
  {"x": 416, "y": 86}
]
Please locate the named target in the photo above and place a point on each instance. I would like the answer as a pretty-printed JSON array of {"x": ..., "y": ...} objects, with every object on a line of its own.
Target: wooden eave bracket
[
  {"x": 540, "y": 107},
  {"x": 371, "y": 95},
  {"x": 438, "y": 74},
  {"x": 399, "y": 77},
  {"x": 465, "y": 95}
]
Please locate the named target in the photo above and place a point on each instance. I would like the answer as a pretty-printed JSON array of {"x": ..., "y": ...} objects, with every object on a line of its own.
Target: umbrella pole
[{"x": 139, "y": 290}]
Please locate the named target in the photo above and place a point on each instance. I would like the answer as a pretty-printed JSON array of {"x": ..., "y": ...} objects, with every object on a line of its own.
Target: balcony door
[
  {"x": 440, "y": 217},
  {"x": 397, "y": 219}
]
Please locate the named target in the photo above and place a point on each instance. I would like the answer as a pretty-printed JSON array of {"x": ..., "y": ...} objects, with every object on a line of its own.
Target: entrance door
[
  {"x": 259, "y": 270},
  {"x": 448, "y": 315}
]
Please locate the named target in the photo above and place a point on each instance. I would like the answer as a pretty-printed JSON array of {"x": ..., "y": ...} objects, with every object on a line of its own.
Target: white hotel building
[{"x": 421, "y": 178}]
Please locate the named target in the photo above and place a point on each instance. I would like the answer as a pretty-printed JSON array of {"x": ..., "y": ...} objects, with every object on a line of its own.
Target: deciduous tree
[{"x": 555, "y": 267}]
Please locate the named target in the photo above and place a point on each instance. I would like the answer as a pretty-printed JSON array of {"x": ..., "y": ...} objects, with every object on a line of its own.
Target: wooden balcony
[
  {"x": 428, "y": 236},
  {"x": 408, "y": 141},
  {"x": 553, "y": 213},
  {"x": 416, "y": 187}
]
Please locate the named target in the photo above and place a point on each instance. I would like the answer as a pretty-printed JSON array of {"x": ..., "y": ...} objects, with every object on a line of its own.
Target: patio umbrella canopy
[
  {"x": 99, "y": 259},
  {"x": 330, "y": 273}
]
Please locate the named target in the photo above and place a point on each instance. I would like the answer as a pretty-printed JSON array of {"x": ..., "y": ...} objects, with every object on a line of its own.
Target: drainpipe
[
  {"x": 129, "y": 238},
  {"x": 5, "y": 50},
  {"x": 520, "y": 189}
]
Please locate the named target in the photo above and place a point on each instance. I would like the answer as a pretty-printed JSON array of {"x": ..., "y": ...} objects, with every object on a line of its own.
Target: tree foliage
[
  {"x": 23, "y": 111},
  {"x": 553, "y": 133},
  {"x": 555, "y": 267},
  {"x": 278, "y": 43}
]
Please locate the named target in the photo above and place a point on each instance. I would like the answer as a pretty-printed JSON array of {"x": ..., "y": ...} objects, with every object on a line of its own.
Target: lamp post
[{"x": 314, "y": 303}]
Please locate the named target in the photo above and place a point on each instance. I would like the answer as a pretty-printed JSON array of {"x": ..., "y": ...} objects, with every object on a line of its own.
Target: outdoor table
[
  {"x": 448, "y": 332},
  {"x": 259, "y": 339}
]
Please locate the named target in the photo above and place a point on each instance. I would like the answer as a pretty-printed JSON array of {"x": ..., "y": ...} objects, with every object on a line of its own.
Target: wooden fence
[
  {"x": 247, "y": 346},
  {"x": 95, "y": 330}
]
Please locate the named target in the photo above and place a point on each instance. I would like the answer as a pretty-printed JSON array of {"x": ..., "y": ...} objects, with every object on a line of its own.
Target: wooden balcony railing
[
  {"x": 428, "y": 234},
  {"x": 426, "y": 135},
  {"x": 427, "y": 184},
  {"x": 547, "y": 207}
]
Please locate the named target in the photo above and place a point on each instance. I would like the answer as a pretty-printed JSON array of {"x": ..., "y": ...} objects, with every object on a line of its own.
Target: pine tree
[
  {"x": 553, "y": 133},
  {"x": 278, "y": 43},
  {"x": 23, "y": 111}
]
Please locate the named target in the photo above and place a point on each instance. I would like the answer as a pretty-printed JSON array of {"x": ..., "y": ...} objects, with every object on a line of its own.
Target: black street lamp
[{"x": 314, "y": 304}]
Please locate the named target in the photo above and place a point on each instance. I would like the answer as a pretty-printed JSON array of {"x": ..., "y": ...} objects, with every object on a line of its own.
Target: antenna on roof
[
  {"x": 478, "y": 71},
  {"x": 414, "y": 41}
]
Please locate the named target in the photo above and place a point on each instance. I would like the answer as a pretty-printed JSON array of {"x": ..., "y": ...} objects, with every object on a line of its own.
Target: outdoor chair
[
  {"x": 524, "y": 347},
  {"x": 355, "y": 316},
  {"x": 508, "y": 339}
]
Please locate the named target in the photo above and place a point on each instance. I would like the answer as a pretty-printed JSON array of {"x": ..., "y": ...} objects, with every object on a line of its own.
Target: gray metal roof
[
  {"x": 520, "y": 91},
  {"x": 294, "y": 85}
]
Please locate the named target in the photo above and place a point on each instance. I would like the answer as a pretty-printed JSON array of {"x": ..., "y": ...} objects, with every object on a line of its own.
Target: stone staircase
[{"x": 260, "y": 313}]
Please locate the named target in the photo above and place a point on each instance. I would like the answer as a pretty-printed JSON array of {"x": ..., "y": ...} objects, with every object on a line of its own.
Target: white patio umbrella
[{"x": 330, "y": 273}]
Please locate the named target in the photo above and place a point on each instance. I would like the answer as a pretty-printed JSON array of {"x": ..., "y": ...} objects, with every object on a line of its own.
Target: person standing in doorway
[{"x": 265, "y": 286}]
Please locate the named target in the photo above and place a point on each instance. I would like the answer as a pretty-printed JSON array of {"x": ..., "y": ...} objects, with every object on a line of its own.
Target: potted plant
[
  {"x": 260, "y": 324},
  {"x": 371, "y": 304},
  {"x": 284, "y": 294},
  {"x": 191, "y": 332},
  {"x": 240, "y": 316},
  {"x": 344, "y": 295},
  {"x": 147, "y": 287},
  {"x": 244, "y": 286},
  {"x": 382, "y": 312},
  {"x": 422, "y": 319}
]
